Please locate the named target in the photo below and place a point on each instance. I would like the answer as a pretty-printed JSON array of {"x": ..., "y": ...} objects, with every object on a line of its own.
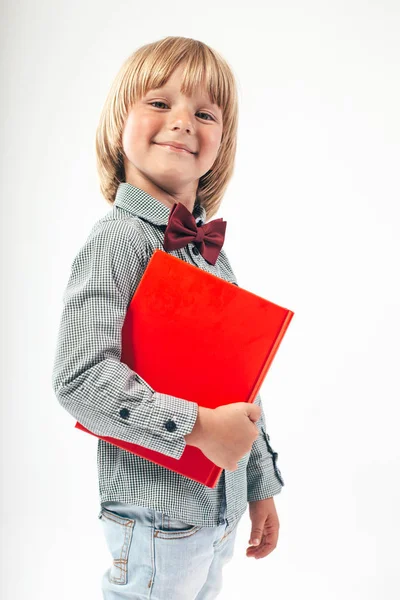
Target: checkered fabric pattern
[{"x": 92, "y": 384}]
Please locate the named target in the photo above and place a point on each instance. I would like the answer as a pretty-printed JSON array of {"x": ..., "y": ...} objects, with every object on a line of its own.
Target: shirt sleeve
[
  {"x": 264, "y": 478},
  {"x": 88, "y": 378}
]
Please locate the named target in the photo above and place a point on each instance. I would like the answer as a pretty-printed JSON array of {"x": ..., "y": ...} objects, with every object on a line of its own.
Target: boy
[{"x": 164, "y": 531}]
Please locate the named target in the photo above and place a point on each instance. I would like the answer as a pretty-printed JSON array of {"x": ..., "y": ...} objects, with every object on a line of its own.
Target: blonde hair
[{"x": 149, "y": 67}]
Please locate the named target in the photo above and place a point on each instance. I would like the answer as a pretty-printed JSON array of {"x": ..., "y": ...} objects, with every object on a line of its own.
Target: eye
[
  {"x": 199, "y": 112},
  {"x": 208, "y": 115}
]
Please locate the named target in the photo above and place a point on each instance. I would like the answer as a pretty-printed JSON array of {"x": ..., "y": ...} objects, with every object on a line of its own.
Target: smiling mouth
[{"x": 173, "y": 149}]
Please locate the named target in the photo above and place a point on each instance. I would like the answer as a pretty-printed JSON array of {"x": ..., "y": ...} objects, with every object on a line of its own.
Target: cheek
[
  {"x": 147, "y": 126},
  {"x": 211, "y": 141},
  {"x": 139, "y": 130}
]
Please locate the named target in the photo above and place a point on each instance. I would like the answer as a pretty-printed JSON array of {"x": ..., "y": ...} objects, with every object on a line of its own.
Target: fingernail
[{"x": 256, "y": 542}]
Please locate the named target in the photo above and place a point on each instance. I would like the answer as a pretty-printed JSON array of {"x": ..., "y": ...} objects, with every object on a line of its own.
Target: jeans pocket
[
  {"x": 118, "y": 532},
  {"x": 228, "y": 530},
  {"x": 171, "y": 527}
]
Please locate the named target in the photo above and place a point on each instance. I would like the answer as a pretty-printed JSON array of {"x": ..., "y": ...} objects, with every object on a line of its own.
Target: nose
[
  {"x": 177, "y": 128},
  {"x": 182, "y": 120}
]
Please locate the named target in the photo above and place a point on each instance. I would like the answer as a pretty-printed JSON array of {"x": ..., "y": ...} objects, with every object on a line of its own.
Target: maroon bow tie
[{"x": 182, "y": 229}]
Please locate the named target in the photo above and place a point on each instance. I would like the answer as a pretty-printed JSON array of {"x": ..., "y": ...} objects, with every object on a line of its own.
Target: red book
[{"x": 191, "y": 334}]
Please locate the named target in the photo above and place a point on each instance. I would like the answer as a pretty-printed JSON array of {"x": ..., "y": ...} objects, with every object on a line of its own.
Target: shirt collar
[{"x": 143, "y": 205}]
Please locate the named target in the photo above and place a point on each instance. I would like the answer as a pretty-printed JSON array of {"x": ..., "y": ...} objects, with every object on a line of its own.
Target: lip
[{"x": 175, "y": 148}]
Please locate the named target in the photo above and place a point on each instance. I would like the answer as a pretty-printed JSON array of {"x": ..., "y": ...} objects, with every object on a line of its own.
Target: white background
[{"x": 315, "y": 194}]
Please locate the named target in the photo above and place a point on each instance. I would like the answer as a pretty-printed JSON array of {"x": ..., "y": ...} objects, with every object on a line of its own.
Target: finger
[
  {"x": 268, "y": 543},
  {"x": 263, "y": 551},
  {"x": 253, "y": 550}
]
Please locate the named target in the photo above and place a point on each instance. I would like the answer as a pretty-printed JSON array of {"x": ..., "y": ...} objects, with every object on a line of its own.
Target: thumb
[
  {"x": 254, "y": 412},
  {"x": 256, "y": 534}
]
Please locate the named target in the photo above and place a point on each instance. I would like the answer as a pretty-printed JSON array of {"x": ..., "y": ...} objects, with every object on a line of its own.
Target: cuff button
[{"x": 170, "y": 425}]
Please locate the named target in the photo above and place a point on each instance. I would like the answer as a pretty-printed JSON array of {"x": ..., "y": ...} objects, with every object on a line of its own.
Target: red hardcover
[{"x": 191, "y": 334}]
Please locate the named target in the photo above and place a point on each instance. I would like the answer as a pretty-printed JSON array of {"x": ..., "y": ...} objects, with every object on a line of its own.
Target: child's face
[{"x": 192, "y": 121}]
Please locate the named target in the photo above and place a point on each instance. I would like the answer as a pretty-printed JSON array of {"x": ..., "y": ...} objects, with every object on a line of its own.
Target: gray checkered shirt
[{"x": 110, "y": 399}]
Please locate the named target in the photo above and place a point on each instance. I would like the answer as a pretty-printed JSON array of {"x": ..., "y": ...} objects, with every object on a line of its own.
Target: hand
[
  {"x": 264, "y": 526},
  {"x": 226, "y": 433}
]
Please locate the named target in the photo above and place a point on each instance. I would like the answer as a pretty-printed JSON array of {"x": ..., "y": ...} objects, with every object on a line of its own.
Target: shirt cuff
[{"x": 264, "y": 478}]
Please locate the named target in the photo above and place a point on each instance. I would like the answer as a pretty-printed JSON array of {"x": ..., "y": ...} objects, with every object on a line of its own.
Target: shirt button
[
  {"x": 195, "y": 250},
  {"x": 124, "y": 413},
  {"x": 170, "y": 425}
]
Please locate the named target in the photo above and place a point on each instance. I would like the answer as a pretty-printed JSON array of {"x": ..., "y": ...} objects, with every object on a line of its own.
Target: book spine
[{"x": 269, "y": 358}]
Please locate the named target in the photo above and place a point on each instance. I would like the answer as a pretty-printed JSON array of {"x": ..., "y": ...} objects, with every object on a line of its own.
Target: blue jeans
[{"x": 157, "y": 557}]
